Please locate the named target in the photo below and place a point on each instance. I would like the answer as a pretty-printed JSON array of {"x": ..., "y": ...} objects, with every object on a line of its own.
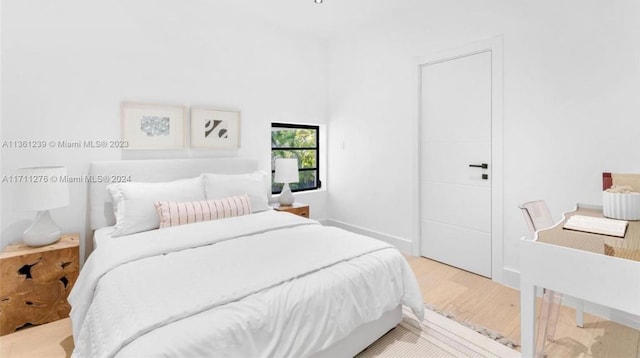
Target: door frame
[{"x": 495, "y": 45}]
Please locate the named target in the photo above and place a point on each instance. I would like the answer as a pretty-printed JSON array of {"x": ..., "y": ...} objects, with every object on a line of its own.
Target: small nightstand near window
[
  {"x": 295, "y": 208},
  {"x": 36, "y": 282}
]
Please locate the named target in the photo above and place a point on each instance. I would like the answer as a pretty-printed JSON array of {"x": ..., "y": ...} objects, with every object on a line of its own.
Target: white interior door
[{"x": 456, "y": 133}]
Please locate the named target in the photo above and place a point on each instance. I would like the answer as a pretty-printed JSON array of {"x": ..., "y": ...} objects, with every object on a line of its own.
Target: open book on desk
[{"x": 596, "y": 225}]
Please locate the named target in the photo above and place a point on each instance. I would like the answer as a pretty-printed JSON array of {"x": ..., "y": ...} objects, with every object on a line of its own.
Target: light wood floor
[{"x": 469, "y": 297}]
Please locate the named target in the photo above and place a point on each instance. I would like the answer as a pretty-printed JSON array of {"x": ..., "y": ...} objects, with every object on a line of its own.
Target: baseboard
[
  {"x": 402, "y": 244},
  {"x": 511, "y": 278}
]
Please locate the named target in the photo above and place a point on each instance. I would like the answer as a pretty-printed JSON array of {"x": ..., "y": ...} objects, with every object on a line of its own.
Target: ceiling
[{"x": 322, "y": 20}]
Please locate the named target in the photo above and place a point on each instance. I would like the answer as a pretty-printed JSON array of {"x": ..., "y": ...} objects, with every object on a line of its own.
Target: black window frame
[{"x": 316, "y": 128}]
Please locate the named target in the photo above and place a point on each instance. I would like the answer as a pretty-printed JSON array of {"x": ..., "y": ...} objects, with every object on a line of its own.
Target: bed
[{"x": 266, "y": 284}]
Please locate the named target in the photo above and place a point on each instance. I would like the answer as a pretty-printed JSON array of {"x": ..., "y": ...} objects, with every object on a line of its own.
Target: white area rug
[{"x": 436, "y": 336}]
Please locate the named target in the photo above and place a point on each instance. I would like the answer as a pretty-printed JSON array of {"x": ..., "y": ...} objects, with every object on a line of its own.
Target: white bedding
[
  {"x": 237, "y": 294},
  {"x": 100, "y": 235}
]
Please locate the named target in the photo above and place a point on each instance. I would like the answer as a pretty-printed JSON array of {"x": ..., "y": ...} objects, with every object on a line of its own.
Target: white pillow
[
  {"x": 133, "y": 202},
  {"x": 257, "y": 185}
]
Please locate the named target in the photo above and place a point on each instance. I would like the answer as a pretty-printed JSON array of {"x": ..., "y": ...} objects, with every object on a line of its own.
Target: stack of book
[{"x": 596, "y": 225}]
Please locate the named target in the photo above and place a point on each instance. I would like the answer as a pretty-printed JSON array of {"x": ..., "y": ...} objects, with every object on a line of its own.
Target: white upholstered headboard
[{"x": 100, "y": 206}]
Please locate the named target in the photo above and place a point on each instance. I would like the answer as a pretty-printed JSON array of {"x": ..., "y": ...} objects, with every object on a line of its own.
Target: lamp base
[
  {"x": 286, "y": 197},
  {"x": 43, "y": 231}
]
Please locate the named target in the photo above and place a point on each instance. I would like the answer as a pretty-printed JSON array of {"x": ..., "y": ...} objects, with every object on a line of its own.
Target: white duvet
[{"x": 267, "y": 284}]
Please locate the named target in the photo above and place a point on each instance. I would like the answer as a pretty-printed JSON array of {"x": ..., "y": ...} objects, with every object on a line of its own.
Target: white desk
[{"x": 574, "y": 263}]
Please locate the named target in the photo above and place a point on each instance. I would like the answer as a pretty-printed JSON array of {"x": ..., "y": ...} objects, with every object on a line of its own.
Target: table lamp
[
  {"x": 40, "y": 189},
  {"x": 286, "y": 172}
]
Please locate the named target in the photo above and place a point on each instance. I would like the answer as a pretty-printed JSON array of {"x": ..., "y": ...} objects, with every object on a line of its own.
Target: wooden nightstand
[
  {"x": 296, "y": 208},
  {"x": 36, "y": 282}
]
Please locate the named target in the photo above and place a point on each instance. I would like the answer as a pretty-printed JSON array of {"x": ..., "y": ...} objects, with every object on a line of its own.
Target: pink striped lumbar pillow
[{"x": 174, "y": 213}]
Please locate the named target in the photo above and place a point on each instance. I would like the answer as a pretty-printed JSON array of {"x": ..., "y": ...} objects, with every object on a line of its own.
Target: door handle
[{"x": 483, "y": 165}]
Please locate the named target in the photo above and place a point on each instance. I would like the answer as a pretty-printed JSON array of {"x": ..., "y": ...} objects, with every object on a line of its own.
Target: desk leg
[
  {"x": 527, "y": 318},
  {"x": 579, "y": 313}
]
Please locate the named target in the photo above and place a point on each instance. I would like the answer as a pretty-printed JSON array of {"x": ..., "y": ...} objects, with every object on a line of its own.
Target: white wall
[
  {"x": 571, "y": 84},
  {"x": 68, "y": 64}
]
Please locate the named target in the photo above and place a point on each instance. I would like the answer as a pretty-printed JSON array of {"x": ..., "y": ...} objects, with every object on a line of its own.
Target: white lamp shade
[
  {"x": 41, "y": 188},
  {"x": 286, "y": 170}
]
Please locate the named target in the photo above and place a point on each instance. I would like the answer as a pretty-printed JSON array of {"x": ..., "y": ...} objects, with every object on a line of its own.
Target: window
[{"x": 297, "y": 141}]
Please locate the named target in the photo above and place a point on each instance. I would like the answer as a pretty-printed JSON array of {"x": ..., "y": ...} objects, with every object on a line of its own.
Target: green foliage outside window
[{"x": 296, "y": 141}]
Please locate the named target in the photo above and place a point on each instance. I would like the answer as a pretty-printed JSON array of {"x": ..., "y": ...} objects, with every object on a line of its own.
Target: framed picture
[
  {"x": 215, "y": 128},
  {"x": 151, "y": 126}
]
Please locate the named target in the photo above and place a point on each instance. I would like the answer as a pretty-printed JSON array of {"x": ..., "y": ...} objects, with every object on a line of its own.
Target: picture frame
[
  {"x": 153, "y": 126},
  {"x": 215, "y": 128}
]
